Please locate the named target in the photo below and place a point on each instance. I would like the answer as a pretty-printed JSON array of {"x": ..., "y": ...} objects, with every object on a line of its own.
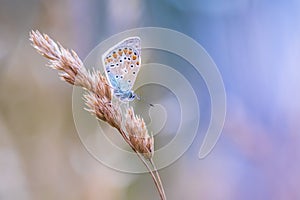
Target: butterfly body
[{"x": 122, "y": 64}]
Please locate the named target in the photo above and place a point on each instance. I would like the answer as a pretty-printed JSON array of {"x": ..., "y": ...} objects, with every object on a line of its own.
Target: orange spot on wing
[
  {"x": 120, "y": 52},
  {"x": 133, "y": 57}
]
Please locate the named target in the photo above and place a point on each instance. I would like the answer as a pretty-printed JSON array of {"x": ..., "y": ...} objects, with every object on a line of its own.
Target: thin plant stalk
[
  {"x": 158, "y": 177},
  {"x": 155, "y": 177}
]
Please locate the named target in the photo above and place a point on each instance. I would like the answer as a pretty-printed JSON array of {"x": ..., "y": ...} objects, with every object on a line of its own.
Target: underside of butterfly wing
[{"x": 122, "y": 63}]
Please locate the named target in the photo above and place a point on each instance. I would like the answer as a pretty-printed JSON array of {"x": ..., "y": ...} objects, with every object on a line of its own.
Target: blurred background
[{"x": 256, "y": 46}]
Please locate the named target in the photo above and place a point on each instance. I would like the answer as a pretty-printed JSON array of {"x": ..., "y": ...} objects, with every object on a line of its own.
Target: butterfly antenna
[{"x": 142, "y": 99}]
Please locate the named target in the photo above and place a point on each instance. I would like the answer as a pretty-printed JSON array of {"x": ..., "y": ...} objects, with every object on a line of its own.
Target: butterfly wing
[{"x": 122, "y": 63}]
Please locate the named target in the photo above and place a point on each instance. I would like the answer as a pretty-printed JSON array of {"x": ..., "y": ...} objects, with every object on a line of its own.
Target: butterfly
[{"x": 122, "y": 63}]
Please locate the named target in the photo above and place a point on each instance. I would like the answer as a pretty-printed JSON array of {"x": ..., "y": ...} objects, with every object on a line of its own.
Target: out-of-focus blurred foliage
[{"x": 256, "y": 46}]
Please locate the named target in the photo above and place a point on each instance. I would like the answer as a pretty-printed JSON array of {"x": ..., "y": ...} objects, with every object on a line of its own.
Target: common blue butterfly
[{"x": 122, "y": 63}]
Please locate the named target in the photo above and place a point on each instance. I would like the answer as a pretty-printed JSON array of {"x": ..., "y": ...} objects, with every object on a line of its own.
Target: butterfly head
[{"x": 131, "y": 96}]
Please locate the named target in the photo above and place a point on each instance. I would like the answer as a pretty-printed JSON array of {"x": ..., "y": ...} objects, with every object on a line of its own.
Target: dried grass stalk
[{"x": 98, "y": 98}]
